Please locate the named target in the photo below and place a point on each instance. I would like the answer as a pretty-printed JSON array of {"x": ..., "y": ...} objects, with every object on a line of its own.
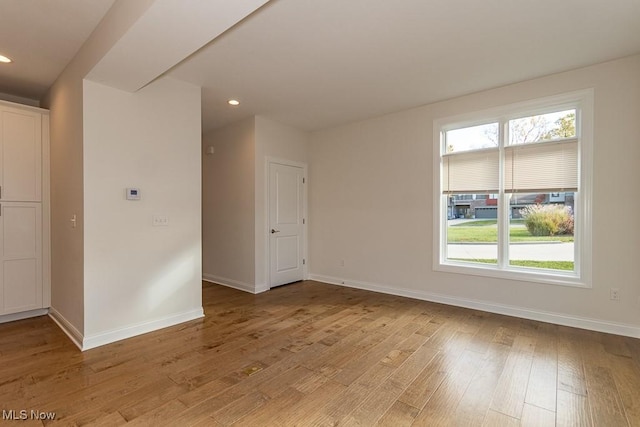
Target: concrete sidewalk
[{"x": 517, "y": 251}]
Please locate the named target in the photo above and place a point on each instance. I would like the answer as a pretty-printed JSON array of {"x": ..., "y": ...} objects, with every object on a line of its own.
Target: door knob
[{"x": 274, "y": 231}]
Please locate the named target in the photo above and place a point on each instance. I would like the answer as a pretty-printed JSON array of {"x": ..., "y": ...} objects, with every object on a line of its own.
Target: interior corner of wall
[{"x": 74, "y": 334}]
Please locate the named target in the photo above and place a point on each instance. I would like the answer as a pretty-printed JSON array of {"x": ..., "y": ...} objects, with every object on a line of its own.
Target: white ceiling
[
  {"x": 42, "y": 36},
  {"x": 314, "y": 64},
  {"x": 163, "y": 36}
]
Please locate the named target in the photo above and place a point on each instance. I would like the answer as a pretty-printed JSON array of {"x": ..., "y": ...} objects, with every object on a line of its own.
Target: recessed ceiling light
[
  {"x": 233, "y": 102},
  {"x": 4, "y": 59}
]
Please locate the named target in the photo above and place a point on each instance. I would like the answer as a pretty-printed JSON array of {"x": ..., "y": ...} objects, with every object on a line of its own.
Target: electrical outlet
[
  {"x": 614, "y": 294},
  {"x": 160, "y": 221}
]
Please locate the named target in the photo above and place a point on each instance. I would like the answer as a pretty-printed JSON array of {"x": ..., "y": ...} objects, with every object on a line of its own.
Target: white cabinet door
[
  {"x": 20, "y": 155},
  {"x": 20, "y": 256},
  {"x": 21, "y": 226}
]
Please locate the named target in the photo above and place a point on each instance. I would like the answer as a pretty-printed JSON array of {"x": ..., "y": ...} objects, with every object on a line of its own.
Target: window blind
[
  {"x": 471, "y": 172},
  {"x": 541, "y": 167}
]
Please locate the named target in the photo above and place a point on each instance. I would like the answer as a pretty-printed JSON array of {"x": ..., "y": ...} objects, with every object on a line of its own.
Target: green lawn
[
  {"x": 553, "y": 265},
  {"x": 486, "y": 231}
]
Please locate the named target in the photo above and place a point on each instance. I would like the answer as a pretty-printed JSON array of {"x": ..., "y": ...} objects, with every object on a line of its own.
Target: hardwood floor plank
[
  {"x": 615, "y": 345},
  {"x": 496, "y": 419},
  {"x": 310, "y": 405},
  {"x": 534, "y": 416},
  {"x": 543, "y": 379},
  {"x": 356, "y": 366},
  {"x": 15, "y": 418},
  {"x": 418, "y": 393},
  {"x": 113, "y": 419},
  {"x": 275, "y": 413},
  {"x": 96, "y": 417},
  {"x": 570, "y": 368},
  {"x": 399, "y": 415},
  {"x": 444, "y": 335},
  {"x": 133, "y": 408},
  {"x": 67, "y": 405},
  {"x": 315, "y": 354},
  {"x": 476, "y": 400},
  {"x": 510, "y": 392},
  {"x": 627, "y": 379},
  {"x": 286, "y": 379},
  {"x": 160, "y": 416},
  {"x": 505, "y": 336},
  {"x": 611, "y": 358},
  {"x": 341, "y": 405},
  {"x": 606, "y": 405},
  {"x": 634, "y": 349},
  {"x": 573, "y": 410},
  {"x": 374, "y": 405},
  {"x": 413, "y": 366},
  {"x": 240, "y": 408},
  {"x": 440, "y": 408},
  {"x": 487, "y": 330}
]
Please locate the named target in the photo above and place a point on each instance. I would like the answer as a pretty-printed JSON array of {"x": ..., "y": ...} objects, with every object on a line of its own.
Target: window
[{"x": 512, "y": 188}]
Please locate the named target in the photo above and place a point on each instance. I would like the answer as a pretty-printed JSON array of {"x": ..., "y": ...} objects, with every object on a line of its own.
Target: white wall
[
  {"x": 136, "y": 274},
  {"x": 67, "y": 286},
  {"x": 65, "y": 102},
  {"x": 371, "y": 205},
  {"x": 276, "y": 141},
  {"x": 228, "y": 205},
  {"x": 235, "y": 187}
]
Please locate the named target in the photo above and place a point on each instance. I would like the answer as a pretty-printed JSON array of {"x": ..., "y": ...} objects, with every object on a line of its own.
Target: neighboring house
[{"x": 485, "y": 206}]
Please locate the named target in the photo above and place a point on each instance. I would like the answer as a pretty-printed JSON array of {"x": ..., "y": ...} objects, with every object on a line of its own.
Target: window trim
[{"x": 582, "y": 101}]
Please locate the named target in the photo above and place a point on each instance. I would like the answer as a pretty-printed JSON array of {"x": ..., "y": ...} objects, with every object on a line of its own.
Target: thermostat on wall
[{"x": 133, "y": 194}]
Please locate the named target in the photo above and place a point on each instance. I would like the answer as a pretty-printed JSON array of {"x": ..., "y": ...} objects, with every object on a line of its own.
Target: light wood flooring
[{"x": 313, "y": 354}]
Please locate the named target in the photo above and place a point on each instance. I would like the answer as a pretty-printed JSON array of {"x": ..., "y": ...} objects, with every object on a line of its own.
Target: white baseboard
[
  {"x": 263, "y": 287},
  {"x": 109, "y": 337},
  {"x": 97, "y": 340},
  {"x": 23, "y": 315},
  {"x": 508, "y": 310},
  {"x": 235, "y": 284},
  {"x": 74, "y": 335}
]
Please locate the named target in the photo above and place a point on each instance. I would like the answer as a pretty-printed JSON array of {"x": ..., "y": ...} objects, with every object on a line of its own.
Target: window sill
[{"x": 513, "y": 273}]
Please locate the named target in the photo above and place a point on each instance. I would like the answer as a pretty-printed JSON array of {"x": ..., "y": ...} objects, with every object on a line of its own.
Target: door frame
[{"x": 305, "y": 214}]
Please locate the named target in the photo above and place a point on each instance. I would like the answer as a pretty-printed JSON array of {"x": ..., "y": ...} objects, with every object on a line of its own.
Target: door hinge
[
  {"x": 303, "y": 221},
  {"x": 304, "y": 261},
  {"x": 303, "y": 180}
]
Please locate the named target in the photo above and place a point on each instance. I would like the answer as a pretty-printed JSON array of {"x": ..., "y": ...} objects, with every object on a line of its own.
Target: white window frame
[{"x": 582, "y": 101}]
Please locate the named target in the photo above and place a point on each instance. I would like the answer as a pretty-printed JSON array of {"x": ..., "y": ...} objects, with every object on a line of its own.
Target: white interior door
[{"x": 286, "y": 233}]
